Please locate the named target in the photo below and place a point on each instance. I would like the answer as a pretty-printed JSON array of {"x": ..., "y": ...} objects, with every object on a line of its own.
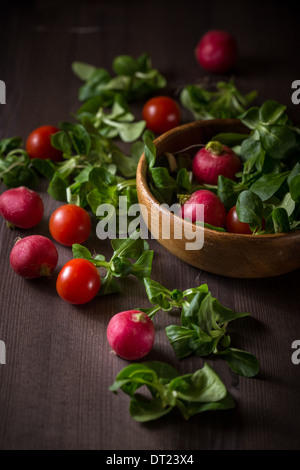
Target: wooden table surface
[{"x": 54, "y": 386}]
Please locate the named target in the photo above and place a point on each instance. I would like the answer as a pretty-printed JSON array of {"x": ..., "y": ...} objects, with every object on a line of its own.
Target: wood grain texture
[{"x": 54, "y": 386}]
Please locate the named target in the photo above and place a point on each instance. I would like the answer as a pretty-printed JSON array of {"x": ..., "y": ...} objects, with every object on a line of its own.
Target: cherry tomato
[
  {"x": 38, "y": 144},
  {"x": 161, "y": 114},
  {"x": 233, "y": 224},
  {"x": 78, "y": 282},
  {"x": 70, "y": 224}
]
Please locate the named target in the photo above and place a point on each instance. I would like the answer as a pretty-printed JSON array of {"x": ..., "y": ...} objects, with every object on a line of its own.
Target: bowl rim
[{"x": 142, "y": 177}]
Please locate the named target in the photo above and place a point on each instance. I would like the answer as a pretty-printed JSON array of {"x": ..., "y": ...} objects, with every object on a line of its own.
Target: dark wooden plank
[{"x": 54, "y": 387}]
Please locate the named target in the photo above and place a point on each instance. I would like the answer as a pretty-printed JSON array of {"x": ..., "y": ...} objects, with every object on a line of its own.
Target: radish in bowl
[
  {"x": 214, "y": 160},
  {"x": 214, "y": 210}
]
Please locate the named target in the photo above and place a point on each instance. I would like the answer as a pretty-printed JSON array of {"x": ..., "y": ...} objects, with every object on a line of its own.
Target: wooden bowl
[{"x": 223, "y": 253}]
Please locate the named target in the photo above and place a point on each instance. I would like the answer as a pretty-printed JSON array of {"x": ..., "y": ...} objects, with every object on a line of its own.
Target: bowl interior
[{"x": 224, "y": 253}]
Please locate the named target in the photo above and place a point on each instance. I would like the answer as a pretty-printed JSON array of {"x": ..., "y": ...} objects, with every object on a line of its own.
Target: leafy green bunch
[
  {"x": 190, "y": 393},
  {"x": 90, "y": 173},
  {"x": 166, "y": 179},
  {"x": 16, "y": 168},
  {"x": 226, "y": 101},
  {"x": 117, "y": 122},
  {"x": 133, "y": 79},
  {"x": 94, "y": 169},
  {"x": 203, "y": 325},
  {"x": 131, "y": 256},
  {"x": 83, "y": 148},
  {"x": 268, "y": 188},
  {"x": 203, "y": 332}
]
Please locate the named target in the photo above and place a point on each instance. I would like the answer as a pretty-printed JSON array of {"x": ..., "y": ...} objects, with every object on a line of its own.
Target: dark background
[{"x": 54, "y": 387}]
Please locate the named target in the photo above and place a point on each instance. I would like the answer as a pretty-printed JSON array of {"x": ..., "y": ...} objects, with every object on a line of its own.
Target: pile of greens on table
[{"x": 95, "y": 170}]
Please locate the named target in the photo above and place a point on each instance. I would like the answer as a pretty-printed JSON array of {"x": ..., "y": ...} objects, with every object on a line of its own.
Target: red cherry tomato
[
  {"x": 70, "y": 224},
  {"x": 38, "y": 144},
  {"x": 161, "y": 114},
  {"x": 233, "y": 224},
  {"x": 78, "y": 282}
]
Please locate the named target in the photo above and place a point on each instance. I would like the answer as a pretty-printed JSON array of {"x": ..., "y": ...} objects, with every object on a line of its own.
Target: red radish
[
  {"x": 213, "y": 160},
  {"x": 21, "y": 207},
  {"x": 217, "y": 51},
  {"x": 34, "y": 256},
  {"x": 131, "y": 334},
  {"x": 214, "y": 210}
]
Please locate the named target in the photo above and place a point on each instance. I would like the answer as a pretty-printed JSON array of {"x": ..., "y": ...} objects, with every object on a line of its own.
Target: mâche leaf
[
  {"x": 280, "y": 220},
  {"x": 294, "y": 186},
  {"x": 241, "y": 362},
  {"x": 203, "y": 324},
  {"x": 249, "y": 208},
  {"x": 228, "y": 191},
  {"x": 190, "y": 393},
  {"x": 267, "y": 185},
  {"x": 83, "y": 70},
  {"x": 134, "y": 79},
  {"x": 224, "y": 102},
  {"x": 9, "y": 144},
  {"x": 270, "y": 112},
  {"x": 57, "y": 188}
]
